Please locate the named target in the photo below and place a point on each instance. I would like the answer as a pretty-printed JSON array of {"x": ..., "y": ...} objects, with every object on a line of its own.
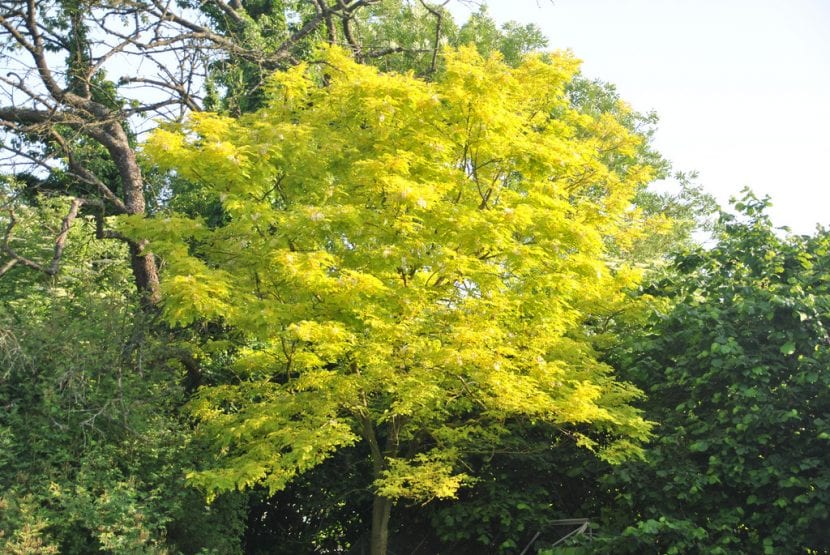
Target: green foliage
[
  {"x": 37, "y": 223},
  {"x": 511, "y": 39},
  {"x": 688, "y": 215},
  {"x": 327, "y": 509},
  {"x": 736, "y": 375},
  {"x": 91, "y": 444},
  {"x": 22, "y": 518},
  {"x": 404, "y": 31},
  {"x": 234, "y": 80},
  {"x": 520, "y": 489}
]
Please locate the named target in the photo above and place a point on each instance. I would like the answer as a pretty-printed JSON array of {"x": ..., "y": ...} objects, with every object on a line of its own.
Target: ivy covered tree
[
  {"x": 409, "y": 264},
  {"x": 736, "y": 374}
]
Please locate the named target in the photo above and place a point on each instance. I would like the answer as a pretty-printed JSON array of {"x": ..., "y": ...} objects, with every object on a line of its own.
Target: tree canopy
[{"x": 409, "y": 264}]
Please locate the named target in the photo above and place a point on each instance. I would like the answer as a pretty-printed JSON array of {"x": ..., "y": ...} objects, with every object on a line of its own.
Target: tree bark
[
  {"x": 145, "y": 273},
  {"x": 381, "y": 506},
  {"x": 143, "y": 263},
  {"x": 381, "y": 511}
]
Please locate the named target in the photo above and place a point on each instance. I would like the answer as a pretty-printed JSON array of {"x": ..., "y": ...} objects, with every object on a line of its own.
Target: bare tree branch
[
  {"x": 439, "y": 19},
  {"x": 231, "y": 11},
  {"x": 11, "y": 263},
  {"x": 79, "y": 171}
]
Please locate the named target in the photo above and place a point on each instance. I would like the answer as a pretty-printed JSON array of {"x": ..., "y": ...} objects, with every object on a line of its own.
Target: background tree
[
  {"x": 735, "y": 373},
  {"x": 91, "y": 444}
]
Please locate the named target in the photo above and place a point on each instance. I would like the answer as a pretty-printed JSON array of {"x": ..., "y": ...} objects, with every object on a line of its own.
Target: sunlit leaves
[{"x": 411, "y": 263}]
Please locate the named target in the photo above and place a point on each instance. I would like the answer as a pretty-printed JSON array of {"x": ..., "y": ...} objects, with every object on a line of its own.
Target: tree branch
[
  {"x": 38, "y": 53},
  {"x": 60, "y": 242},
  {"x": 436, "y": 11},
  {"x": 79, "y": 171}
]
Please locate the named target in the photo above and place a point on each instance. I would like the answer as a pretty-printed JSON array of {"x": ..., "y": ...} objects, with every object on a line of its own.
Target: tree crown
[{"x": 406, "y": 260}]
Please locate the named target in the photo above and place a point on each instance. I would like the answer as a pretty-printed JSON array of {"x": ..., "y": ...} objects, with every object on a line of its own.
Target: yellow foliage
[
  {"x": 423, "y": 478},
  {"x": 407, "y": 256}
]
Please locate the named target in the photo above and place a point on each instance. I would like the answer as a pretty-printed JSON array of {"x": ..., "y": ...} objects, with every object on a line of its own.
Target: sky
[{"x": 742, "y": 87}]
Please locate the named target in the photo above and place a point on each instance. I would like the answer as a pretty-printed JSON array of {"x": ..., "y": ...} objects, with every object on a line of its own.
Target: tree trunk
[
  {"x": 381, "y": 506},
  {"x": 145, "y": 273},
  {"x": 381, "y": 511},
  {"x": 115, "y": 140}
]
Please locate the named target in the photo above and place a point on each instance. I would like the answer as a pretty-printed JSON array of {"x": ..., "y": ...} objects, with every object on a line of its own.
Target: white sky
[{"x": 742, "y": 87}]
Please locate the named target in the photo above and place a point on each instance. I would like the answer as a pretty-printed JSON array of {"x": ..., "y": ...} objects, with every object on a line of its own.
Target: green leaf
[
  {"x": 787, "y": 348},
  {"x": 699, "y": 446}
]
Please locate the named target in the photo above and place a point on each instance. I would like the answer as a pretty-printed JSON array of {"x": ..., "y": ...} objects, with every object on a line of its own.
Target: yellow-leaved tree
[{"x": 412, "y": 264}]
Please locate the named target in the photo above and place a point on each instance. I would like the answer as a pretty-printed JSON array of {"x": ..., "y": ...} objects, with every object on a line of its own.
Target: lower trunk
[
  {"x": 146, "y": 276},
  {"x": 381, "y": 510}
]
